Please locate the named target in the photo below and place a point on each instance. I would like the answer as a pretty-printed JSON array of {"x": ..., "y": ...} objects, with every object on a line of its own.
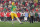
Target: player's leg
[
  {"x": 17, "y": 18},
  {"x": 12, "y": 17}
]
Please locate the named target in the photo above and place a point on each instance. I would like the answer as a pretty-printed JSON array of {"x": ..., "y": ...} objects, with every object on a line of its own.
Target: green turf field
[{"x": 16, "y": 24}]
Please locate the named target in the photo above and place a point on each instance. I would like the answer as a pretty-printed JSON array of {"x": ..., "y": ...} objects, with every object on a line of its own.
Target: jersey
[{"x": 13, "y": 8}]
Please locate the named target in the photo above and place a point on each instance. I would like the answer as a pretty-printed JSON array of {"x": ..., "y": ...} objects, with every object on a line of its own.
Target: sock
[
  {"x": 12, "y": 21},
  {"x": 19, "y": 20}
]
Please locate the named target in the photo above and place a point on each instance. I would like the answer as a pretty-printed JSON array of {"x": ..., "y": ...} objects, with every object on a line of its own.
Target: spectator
[
  {"x": 10, "y": 2},
  {"x": 36, "y": 15},
  {"x": 23, "y": 3},
  {"x": 35, "y": 4},
  {"x": 37, "y": 10},
  {"x": 8, "y": 15},
  {"x": 39, "y": 16},
  {"x": 26, "y": 16},
  {"x": 32, "y": 15},
  {"x": 2, "y": 15},
  {"x": 4, "y": 9},
  {"x": 22, "y": 16},
  {"x": 16, "y": 3},
  {"x": 5, "y": 17},
  {"x": 29, "y": 17},
  {"x": 19, "y": 15}
]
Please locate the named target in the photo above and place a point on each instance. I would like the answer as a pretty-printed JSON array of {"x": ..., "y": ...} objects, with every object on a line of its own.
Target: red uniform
[
  {"x": 0, "y": 9},
  {"x": 35, "y": 4},
  {"x": 26, "y": 4},
  {"x": 18, "y": 14},
  {"x": 32, "y": 9},
  {"x": 2, "y": 14},
  {"x": 37, "y": 10},
  {"x": 26, "y": 9},
  {"x": 8, "y": 14},
  {"x": 16, "y": 3},
  {"x": 4, "y": 1}
]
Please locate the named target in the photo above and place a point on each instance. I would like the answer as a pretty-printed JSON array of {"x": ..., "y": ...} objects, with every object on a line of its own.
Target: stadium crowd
[{"x": 26, "y": 10}]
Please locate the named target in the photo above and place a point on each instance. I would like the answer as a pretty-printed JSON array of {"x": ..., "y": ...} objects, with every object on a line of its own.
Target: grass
[{"x": 17, "y": 24}]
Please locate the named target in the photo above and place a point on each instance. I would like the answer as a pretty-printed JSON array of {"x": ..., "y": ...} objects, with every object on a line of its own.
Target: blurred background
[{"x": 23, "y": 8}]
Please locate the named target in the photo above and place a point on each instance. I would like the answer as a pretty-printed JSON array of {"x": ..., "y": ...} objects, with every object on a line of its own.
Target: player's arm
[{"x": 12, "y": 8}]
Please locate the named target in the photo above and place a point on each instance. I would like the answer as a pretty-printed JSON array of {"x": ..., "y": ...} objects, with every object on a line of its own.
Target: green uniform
[
  {"x": 4, "y": 9},
  {"x": 32, "y": 5},
  {"x": 23, "y": 3},
  {"x": 13, "y": 8},
  {"x": 36, "y": 14},
  {"x": 13, "y": 14}
]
